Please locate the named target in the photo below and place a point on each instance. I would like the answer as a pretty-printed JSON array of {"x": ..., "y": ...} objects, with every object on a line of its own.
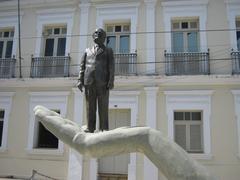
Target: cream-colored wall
[{"x": 218, "y": 41}]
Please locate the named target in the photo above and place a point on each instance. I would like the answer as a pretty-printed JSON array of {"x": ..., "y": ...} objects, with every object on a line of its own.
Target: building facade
[{"x": 177, "y": 65}]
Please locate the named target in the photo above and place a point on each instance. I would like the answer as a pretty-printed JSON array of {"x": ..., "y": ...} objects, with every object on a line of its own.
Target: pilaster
[{"x": 150, "y": 170}]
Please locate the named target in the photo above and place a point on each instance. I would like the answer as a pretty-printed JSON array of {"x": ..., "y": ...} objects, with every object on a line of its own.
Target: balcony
[
  {"x": 43, "y": 67},
  {"x": 7, "y": 68},
  {"x": 125, "y": 64},
  {"x": 187, "y": 63},
  {"x": 235, "y": 62}
]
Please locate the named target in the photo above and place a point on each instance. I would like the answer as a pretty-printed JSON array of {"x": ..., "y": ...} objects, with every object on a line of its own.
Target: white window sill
[
  {"x": 53, "y": 152},
  {"x": 201, "y": 156}
]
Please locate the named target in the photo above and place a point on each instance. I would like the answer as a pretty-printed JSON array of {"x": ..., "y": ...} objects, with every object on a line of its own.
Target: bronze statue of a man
[{"x": 97, "y": 77}]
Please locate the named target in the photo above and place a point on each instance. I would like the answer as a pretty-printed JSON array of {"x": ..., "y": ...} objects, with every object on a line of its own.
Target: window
[
  {"x": 238, "y": 33},
  {"x": 188, "y": 130},
  {"x": 6, "y": 43},
  {"x": 118, "y": 37},
  {"x": 189, "y": 120},
  {"x": 45, "y": 138},
  {"x": 40, "y": 140},
  {"x": 185, "y": 36},
  {"x": 55, "y": 41},
  {"x": 1, "y": 125}
]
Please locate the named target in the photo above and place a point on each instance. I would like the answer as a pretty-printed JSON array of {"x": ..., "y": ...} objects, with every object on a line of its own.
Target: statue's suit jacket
[{"x": 97, "y": 66}]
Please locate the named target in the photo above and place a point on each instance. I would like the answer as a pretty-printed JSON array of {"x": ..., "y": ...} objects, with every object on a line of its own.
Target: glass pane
[
  {"x": 118, "y": 28},
  {"x": 61, "y": 47},
  {"x": 124, "y": 44},
  {"x": 177, "y": 40},
  {"x": 126, "y": 28},
  {"x": 1, "y": 48},
  {"x": 56, "y": 30},
  {"x": 6, "y": 34},
  {"x": 49, "y": 31},
  {"x": 193, "y": 25},
  {"x": 12, "y": 34},
  {"x": 178, "y": 116},
  {"x": 184, "y": 25},
  {"x": 49, "y": 47},
  {"x": 192, "y": 38},
  {"x": 46, "y": 139},
  {"x": 9, "y": 49},
  {"x": 195, "y": 138},
  {"x": 238, "y": 24},
  {"x": 187, "y": 116},
  {"x": 64, "y": 30},
  {"x": 109, "y": 28},
  {"x": 1, "y": 33},
  {"x": 1, "y": 114},
  {"x": 196, "y": 116},
  {"x": 1, "y": 132},
  {"x": 175, "y": 25},
  {"x": 180, "y": 136},
  {"x": 111, "y": 42},
  {"x": 238, "y": 40}
]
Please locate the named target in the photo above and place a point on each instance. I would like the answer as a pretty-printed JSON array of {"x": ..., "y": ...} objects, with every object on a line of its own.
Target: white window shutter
[
  {"x": 180, "y": 136},
  {"x": 195, "y": 138}
]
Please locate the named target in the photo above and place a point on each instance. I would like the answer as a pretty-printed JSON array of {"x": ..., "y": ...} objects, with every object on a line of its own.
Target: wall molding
[
  {"x": 191, "y": 100},
  {"x": 6, "y": 105},
  {"x": 51, "y": 100},
  {"x": 51, "y": 17},
  {"x": 119, "y": 12},
  {"x": 185, "y": 9}
]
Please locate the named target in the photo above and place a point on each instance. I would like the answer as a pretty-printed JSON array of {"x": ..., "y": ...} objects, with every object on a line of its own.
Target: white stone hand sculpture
[{"x": 170, "y": 159}]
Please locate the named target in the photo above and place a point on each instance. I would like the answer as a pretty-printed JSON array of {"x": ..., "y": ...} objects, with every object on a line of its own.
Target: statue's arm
[
  {"x": 170, "y": 159},
  {"x": 82, "y": 68}
]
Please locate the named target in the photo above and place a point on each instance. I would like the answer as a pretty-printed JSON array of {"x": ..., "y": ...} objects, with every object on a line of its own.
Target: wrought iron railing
[
  {"x": 235, "y": 62},
  {"x": 125, "y": 64},
  {"x": 7, "y": 68},
  {"x": 57, "y": 66},
  {"x": 187, "y": 63}
]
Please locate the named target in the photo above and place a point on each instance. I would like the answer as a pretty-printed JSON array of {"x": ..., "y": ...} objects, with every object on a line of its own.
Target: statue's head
[{"x": 99, "y": 36}]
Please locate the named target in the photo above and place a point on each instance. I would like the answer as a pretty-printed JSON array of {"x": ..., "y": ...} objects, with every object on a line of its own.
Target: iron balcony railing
[
  {"x": 235, "y": 62},
  {"x": 56, "y": 66},
  {"x": 187, "y": 63},
  {"x": 7, "y": 68},
  {"x": 125, "y": 64}
]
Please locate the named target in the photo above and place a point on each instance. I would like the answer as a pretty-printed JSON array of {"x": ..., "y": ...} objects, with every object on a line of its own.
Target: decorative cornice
[
  {"x": 117, "y": 5},
  {"x": 128, "y": 81},
  {"x": 184, "y": 3}
]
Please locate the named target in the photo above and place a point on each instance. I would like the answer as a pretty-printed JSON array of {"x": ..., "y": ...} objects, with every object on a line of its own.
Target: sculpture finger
[{"x": 63, "y": 129}]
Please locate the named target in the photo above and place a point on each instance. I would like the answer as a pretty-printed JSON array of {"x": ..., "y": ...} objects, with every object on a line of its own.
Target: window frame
[
  {"x": 238, "y": 31},
  {"x": 51, "y": 17},
  {"x": 53, "y": 36},
  {"x": 187, "y": 124},
  {"x": 118, "y": 35},
  {"x": 185, "y": 32},
  {"x": 233, "y": 12},
  {"x": 191, "y": 100},
  {"x": 51, "y": 100},
  {"x": 6, "y": 105},
  {"x": 5, "y": 40},
  {"x": 188, "y": 10}
]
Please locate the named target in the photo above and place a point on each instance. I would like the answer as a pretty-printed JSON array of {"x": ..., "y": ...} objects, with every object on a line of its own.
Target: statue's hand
[
  {"x": 66, "y": 130},
  {"x": 80, "y": 86},
  {"x": 110, "y": 85}
]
